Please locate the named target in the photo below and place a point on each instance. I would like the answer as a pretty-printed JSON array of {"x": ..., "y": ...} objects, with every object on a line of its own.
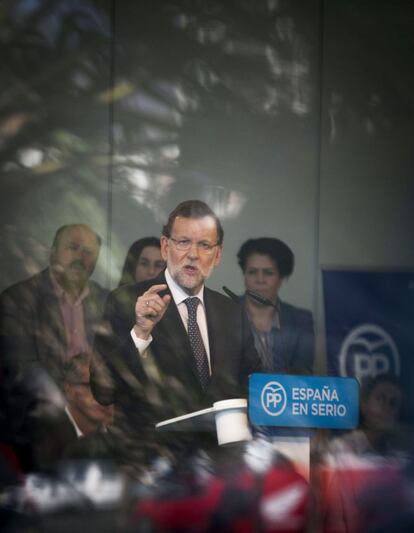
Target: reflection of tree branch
[
  {"x": 40, "y": 78},
  {"x": 203, "y": 65},
  {"x": 22, "y": 30},
  {"x": 50, "y": 71}
]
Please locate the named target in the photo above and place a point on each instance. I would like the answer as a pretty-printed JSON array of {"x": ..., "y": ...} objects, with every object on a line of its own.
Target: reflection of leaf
[
  {"x": 121, "y": 90},
  {"x": 48, "y": 167},
  {"x": 67, "y": 140},
  {"x": 55, "y": 61}
]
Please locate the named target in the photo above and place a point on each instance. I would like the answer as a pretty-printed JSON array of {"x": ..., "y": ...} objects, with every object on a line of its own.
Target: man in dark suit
[
  {"x": 53, "y": 315},
  {"x": 44, "y": 322},
  {"x": 171, "y": 346}
]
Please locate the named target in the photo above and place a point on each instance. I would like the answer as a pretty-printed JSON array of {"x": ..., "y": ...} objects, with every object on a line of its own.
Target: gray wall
[{"x": 367, "y": 164}]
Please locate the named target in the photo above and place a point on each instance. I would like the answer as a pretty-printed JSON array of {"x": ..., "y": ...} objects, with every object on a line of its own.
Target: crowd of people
[{"x": 87, "y": 373}]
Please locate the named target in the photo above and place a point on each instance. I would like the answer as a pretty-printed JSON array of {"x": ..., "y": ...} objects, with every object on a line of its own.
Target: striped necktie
[{"x": 196, "y": 342}]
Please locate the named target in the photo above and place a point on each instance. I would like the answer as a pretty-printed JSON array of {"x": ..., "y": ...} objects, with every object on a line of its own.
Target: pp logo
[
  {"x": 368, "y": 351},
  {"x": 273, "y": 398}
]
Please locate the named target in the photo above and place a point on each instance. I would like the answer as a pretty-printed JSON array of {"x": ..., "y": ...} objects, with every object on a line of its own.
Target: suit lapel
[
  {"x": 220, "y": 356},
  {"x": 285, "y": 338},
  {"x": 213, "y": 327},
  {"x": 51, "y": 334},
  {"x": 50, "y": 312},
  {"x": 224, "y": 349},
  {"x": 92, "y": 310}
]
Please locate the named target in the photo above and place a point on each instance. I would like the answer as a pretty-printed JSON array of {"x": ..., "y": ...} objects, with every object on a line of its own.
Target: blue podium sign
[{"x": 303, "y": 401}]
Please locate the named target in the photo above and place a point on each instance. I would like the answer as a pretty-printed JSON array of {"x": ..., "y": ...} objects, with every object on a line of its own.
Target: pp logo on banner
[
  {"x": 367, "y": 351},
  {"x": 303, "y": 401},
  {"x": 274, "y": 398}
]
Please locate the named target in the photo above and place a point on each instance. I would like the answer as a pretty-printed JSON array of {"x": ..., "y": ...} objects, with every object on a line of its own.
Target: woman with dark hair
[
  {"x": 143, "y": 261},
  {"x": 283, "y": 334}
]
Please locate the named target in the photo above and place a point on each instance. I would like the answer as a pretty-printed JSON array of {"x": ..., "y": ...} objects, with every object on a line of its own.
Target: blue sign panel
[
  {"x": 303, "y": 401},
  {"x": 369, "y": 327}
]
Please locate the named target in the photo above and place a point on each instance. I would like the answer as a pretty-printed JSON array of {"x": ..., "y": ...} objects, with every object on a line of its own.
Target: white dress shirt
[{"x": 179, "y": 295}]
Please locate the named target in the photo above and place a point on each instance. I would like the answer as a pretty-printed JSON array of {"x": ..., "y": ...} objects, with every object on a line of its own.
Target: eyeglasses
[{"x": 185, "y": 244}]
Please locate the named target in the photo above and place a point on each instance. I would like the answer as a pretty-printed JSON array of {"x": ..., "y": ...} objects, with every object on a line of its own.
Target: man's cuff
[{"x": 141, "y": 344}]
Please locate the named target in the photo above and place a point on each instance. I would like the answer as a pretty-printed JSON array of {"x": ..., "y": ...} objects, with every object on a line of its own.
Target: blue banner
[
  {"x": 369, "y": 319},
  {"x": 303, "y": 401}
]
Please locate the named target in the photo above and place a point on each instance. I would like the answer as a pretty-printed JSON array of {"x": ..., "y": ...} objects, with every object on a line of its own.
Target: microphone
[
  {"x": 260, "y": 299},
  {"x": 263, "y": 301},
  {"x": 255, "y": 296},
  {"x": 230, "y": 293}
]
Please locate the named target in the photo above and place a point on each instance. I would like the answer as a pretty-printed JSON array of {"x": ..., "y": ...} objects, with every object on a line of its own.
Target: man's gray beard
[{"x": 188, "y": 285}]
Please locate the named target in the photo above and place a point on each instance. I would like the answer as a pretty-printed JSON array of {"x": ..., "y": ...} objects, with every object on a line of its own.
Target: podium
[
  {"x": 227, "y": 417},
  {"x": 283, "y": 408}
]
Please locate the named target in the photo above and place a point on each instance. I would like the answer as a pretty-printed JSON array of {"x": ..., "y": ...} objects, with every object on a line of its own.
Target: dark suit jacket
[
  {"x": 294, "y": 343},
  {"x": 297, "y": 340},
  {"x": 31, "y": 325},
  {"x": 165, "y": 384}
]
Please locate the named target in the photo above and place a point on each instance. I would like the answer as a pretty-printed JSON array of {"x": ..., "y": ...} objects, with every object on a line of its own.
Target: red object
[
  {"x": 10, "y": 459},
  {"x": 355, "y": 498},
  {"x": 274, "y": 502}
]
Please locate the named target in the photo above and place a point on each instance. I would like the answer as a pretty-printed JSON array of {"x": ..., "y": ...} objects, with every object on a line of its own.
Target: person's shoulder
[
  {"x": 220, "y": 300},
  {"x": 34, "y": 284},
  {"x": 97, "y": 289},
  {"x": 294, "y": 310}
]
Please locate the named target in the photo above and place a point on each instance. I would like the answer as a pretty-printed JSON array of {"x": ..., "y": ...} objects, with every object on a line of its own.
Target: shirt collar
[
  {"x": 178, "y": 293},
  {"x": 60, "y": 292}
]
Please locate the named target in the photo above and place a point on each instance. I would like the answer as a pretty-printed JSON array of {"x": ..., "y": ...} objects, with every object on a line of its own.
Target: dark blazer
[
  {"x": 297, "y": 339},
  {"x": 165, "y": 384},
  {"x": 294, "y": 343},
  {"x": 31, "y": 325}
]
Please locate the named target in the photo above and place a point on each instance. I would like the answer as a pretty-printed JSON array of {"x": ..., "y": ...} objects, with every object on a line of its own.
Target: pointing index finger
[{"x": 154, "y": 289}]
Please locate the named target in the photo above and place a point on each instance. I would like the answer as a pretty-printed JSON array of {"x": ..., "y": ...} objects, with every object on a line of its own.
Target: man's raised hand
[{"x": 149, "y": 309}]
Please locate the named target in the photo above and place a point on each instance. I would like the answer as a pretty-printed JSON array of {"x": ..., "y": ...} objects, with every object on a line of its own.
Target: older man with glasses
[{"x": 171, "y": 346}]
